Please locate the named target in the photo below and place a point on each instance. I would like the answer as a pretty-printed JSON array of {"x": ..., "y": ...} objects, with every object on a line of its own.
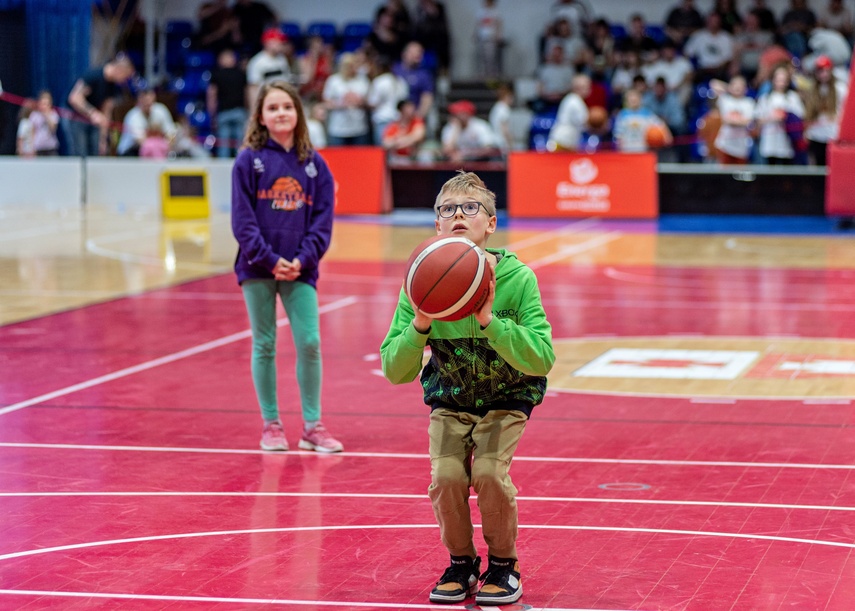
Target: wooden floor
[{"x": 695, "y": 450}]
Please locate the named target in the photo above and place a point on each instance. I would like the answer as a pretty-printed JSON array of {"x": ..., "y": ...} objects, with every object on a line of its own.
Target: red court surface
[{"x": 695, "y": 451}]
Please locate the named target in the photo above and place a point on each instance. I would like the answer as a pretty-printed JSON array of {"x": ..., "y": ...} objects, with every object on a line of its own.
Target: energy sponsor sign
[
  {"x": 617, "y": 185},
  {"x": 362, "y": 182}
]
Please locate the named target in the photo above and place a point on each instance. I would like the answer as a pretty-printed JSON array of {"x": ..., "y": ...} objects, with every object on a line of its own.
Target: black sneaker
[
  {"x": 502, "y": 584},
  {"x": 458, "y": 581}
]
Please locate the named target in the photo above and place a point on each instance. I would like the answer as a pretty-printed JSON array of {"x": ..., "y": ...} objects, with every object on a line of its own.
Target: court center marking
[
  {"x": 169, "y": 358},
  {"x": 399, "y": 455},
  {"x": 424, "y": 497}
]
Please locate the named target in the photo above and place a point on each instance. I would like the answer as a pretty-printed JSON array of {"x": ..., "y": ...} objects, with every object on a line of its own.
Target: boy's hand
[{"x": 484, "y": 315}]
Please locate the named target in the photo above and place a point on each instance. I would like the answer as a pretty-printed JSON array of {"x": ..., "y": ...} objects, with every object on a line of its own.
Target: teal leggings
[{"x": 301, "y": 305}]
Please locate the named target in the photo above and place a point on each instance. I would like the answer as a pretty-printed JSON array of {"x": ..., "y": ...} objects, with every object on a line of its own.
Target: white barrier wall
[{"x": 110, "y": 182}]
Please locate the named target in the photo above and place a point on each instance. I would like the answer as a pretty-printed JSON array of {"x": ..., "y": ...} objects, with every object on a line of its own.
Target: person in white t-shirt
[
  {"x": 384, "y": 93},
  {"x": 823, "y": 106},
  {"x": 712, "y": 48},
  {"x": 345, "y": 94},
  {"x": 733, "y": 142},
  {"x": 467, "y": 137},
  {"x": 488, "y": 40},
  {"x": 500, "y": 117},
  {"x": 268, "y": 64},
  {"x": 149, "y": 118},
  {"x": 677, "y": 71},
  {"x": 566, "y": 132},
  {"x": 771, "y": 112}
]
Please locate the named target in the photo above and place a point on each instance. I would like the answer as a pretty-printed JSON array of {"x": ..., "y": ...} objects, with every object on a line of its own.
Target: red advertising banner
[
  {"x": 362, "y": 182},
  {"x": 610, "y": 185},
  {"x": 840, "y": 182}
]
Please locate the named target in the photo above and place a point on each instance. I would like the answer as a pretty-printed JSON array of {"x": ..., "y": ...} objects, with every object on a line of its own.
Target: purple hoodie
[{"x": 280, "y": 208}]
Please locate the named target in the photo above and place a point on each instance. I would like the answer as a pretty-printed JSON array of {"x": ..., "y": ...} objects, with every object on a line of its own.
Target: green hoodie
[{"x": 502, "y": 366}]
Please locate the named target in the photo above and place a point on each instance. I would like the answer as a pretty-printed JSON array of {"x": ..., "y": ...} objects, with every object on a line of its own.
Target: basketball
[
  {"x": 447, "y": 277},
  {"x": 656, "y": 136},
  {"x": 597, "y": 117}
]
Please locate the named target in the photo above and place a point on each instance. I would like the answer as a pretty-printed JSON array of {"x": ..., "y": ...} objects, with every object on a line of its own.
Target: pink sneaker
[
  {"x": 273, "y": 438},
  {"x": 320, "y": 440}
]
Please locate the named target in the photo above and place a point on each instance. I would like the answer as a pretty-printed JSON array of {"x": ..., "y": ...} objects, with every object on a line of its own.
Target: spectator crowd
[{"x": 736, "y": 84}]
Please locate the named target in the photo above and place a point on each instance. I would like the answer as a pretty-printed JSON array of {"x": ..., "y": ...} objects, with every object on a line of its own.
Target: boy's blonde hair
[{"x": 469, "y": 183}]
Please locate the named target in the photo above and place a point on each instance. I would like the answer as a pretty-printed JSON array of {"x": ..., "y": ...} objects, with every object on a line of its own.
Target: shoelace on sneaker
[
  {"x": 496, "y": 576},
  {"x": 456, "y": 573}
]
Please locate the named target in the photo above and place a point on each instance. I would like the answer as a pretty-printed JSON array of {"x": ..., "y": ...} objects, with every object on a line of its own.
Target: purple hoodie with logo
[{"x": 280, "y": 208}]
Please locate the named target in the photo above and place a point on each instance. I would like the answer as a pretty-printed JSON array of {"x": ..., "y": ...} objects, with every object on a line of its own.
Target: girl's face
[
  {"x": 279, "y": 114},
  {"x": 45, "y": 102},
  {"x": 781, "y": 80}
]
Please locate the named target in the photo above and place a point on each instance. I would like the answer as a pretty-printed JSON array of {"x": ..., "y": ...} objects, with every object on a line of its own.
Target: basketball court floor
[{"x": 696, "y": 449}]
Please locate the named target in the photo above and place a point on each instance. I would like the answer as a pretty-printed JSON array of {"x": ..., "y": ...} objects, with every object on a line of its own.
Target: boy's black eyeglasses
[{"x": 447, "y": 211}]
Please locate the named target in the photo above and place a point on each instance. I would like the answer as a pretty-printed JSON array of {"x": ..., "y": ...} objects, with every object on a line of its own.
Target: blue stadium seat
[
  {"x": 325, "y": 29},
  {"x": 294, "y": 32},
  {"x": 618, "y": 31},
  {"x": 203, "y": 60},
  {"x": 354, "y": 34},
  {"x": 538, "y": 134},
  {"x": 656, "y": 32}
]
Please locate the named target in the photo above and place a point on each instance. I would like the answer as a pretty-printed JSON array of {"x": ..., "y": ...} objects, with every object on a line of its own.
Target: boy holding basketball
[{"x": 485, "y": 375}]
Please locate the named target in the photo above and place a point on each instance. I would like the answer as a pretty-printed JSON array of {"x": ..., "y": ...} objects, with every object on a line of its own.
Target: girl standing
[{"x": 282, "y": 215}]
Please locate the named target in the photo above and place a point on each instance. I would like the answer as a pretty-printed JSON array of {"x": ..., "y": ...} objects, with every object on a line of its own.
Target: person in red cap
[
  {"x": 467, "y": 137},
  {"x": 823, "y": 105},
  {"x": 268, "y": 64}
]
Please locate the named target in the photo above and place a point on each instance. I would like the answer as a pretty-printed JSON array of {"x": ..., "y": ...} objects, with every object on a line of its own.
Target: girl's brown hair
[
  {"x": 818, "y": 101},
  {"x": 257, "y": 134}
]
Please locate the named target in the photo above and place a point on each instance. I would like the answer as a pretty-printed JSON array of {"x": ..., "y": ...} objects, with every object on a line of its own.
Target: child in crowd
[
  {"x": 485, "y": 375},
  {"x": 45, "y": 120},
  {"x": 733, "y": 142},
  {"x": 282, "y": 215}
]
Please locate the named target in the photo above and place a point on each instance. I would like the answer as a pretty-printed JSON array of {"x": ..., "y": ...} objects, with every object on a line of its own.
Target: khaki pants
[{"x": 468, "y": 450}]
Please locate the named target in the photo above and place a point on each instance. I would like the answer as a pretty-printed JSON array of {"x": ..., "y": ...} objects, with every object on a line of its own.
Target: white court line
[
  {"x": 169, "y": 358},
  {"x": 576, "y": 249},
  {"x": 272, "y": 601},
  {"x": 364, "y": 527},
  {"x": 390, "y": 496},
  {"x": 400, "y": 455}
]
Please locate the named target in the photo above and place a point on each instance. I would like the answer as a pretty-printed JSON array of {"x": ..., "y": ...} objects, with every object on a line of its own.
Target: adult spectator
[
  {"x": 682, "y": 21},
  {"x": 315, "y": 65},
  {"x": 665, "y": 105},
  {"x": 676, "y": 69},
  {"x": 466, "y": 137},
  {"x": 796, "y": 25},
  {"x": 628, "y": 67},
  {"x": 836, "y": 16},
  {"x": 554, "y": 80},
  {"x": 253, "y": 19},
  {"x": 566, "y": 133},
  {"x": 749, "y": 45},
  {"x": 384, "y": 93},
  {"x": 829, "y": 43},
  {"x": 565, "y": 36},
  {"x": 385, "y": 40},
  {"x": 93, "y": 98},
  {"x": 575, "y": 11},
  {"x": 268, "y": 64},
  {"x": 147, "y": 119},
  {"x": 500, "y": 117},
  {"x": 731, "y": 20},
  {"x": 636, "y": 39},
  {"x": 420, "y": 80},
  {"x": 218, "y": 27},
  {"x": 430, "y": 29},
  {"x": 345, "y": 95},
  {"x": 226, "y": 103},
  {"x": 489, "y": 40},
  {"x": 765, "y": 16},
  {"x": 400, "y": 17},
  {"x": 403, "y": 136},
  {"x": 712, "y": 50},
  {"x": 601, "y": 43}
]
